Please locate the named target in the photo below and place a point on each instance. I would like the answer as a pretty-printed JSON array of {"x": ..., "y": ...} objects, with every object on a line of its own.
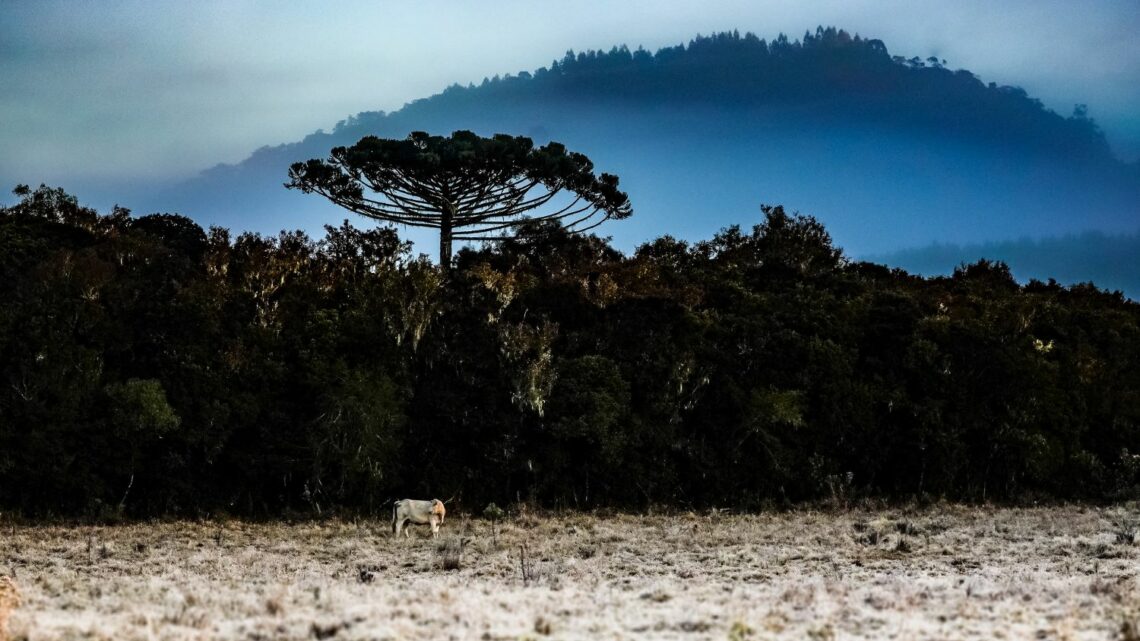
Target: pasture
[{"x": 949, "y": 572}]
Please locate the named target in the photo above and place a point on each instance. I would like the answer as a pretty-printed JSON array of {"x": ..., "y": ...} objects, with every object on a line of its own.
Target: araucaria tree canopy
[{"x": 467, "y": 186}]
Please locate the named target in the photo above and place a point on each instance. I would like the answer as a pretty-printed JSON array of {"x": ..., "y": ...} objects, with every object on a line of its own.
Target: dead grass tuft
[
  {"x": 740, "y": 631},
  {"x": 275, "y": 604},
  {"x": 321, "y": 631},
  {"x": 903, "y": 546},
  {"x": 1129, "y": 630},
  {"x": 365, "y": 574},
  {"x": 822, "y": 633},
  {"x": 9, "y": 601},
  {"x": 451, "y": 553},
  {"x": 527, "y": 570}
]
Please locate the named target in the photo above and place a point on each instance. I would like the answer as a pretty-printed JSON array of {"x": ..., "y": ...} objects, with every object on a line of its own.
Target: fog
[
  {"x": 889, "y": 153},
  {"x": 691, "y": 172}
]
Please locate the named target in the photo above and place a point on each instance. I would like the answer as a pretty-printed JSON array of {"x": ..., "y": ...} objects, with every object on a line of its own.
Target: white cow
[{"x": 412, "y": 511}]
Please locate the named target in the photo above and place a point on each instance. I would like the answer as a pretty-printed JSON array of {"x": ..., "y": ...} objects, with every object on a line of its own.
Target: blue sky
[{"x": 122, "y": 90}]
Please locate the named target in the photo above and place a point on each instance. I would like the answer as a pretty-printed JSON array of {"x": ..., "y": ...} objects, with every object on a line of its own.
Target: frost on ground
[{"x": 945, "y": 573}]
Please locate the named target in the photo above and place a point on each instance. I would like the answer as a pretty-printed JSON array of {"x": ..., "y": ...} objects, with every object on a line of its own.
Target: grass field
[{"x": 949, "y": 572}]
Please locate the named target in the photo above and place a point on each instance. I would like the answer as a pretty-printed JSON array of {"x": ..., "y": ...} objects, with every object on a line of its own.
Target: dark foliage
[
  {"x": 150, "y": 367},
  {"x": 466, "y": 186}
]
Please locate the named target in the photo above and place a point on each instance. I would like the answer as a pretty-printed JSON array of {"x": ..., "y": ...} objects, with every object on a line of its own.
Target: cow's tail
[{"x": 395, "y": 506}]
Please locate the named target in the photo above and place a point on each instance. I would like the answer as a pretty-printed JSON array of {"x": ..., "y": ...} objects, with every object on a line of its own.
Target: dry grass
[
  {"x": 946, "y": 573},
  {"x": 9, "y": 600}
]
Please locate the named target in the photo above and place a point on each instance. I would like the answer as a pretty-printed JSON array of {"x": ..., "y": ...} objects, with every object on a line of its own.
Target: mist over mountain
[
  {"x": 889, "y": 152},
  {"x": 1068, "y": 259}
]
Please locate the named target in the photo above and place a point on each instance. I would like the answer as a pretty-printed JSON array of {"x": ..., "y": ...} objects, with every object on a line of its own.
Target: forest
[{"x": 150, "y": 367}]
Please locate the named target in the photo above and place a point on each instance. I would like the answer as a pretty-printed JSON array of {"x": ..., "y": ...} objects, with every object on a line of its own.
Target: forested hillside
[
  {"x": 831, "y": 74},
  {"x": 149, "y": 367},
  {"x": 889, "y": 152}
]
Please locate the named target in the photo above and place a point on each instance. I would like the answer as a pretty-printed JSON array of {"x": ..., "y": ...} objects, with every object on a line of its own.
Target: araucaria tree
[{"x": 469, "y": 187}]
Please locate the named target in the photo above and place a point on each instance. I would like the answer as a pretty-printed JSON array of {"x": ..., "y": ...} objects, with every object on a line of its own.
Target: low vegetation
[
  {"x": 9, "y": 600},
  {"x": 949, "y": 572}
]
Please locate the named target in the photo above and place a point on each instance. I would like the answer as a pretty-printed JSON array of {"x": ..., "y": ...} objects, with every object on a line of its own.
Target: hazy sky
[{"x": 118, "y": 89}]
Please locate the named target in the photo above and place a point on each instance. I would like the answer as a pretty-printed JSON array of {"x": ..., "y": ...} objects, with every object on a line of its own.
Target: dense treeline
[{"x": 148, "y": 366}]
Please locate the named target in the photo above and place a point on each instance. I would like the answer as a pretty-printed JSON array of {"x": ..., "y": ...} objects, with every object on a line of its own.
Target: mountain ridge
[
  {"x": 890, "y": 152},
  {"x": 854, "y": 63}
]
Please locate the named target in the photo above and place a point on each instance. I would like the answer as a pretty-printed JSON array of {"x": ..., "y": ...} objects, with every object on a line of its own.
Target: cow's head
[{"x": 438, "y": 510}]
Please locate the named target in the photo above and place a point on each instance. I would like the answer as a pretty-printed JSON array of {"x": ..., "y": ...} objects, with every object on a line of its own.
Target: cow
[{"x": 412, "y": 511}]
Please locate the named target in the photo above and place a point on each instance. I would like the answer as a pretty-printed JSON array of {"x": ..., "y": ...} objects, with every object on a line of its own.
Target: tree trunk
[{"x": 445, "y": 239}]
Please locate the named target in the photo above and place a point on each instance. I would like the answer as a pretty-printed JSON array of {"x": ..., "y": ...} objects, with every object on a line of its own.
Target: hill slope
[{"x": 888, "y": 152}]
